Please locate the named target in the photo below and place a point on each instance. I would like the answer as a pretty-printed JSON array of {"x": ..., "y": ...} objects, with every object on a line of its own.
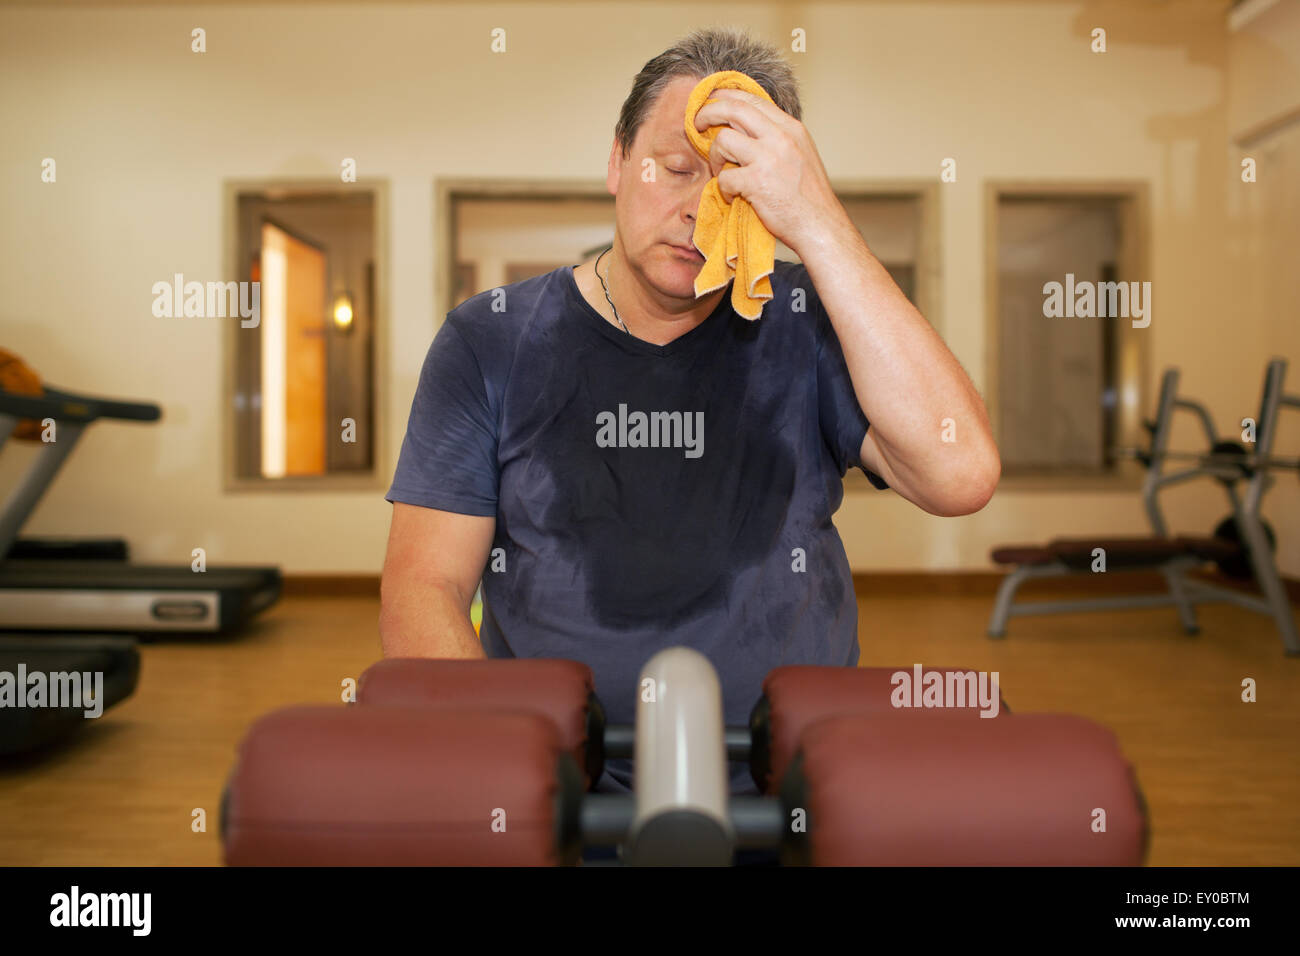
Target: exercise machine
[
  {"x": 495, "y": 763},
  {"x": 93, "y": 590},
  {"x": 72, "y": 670},
  {"x": 1241, "y": 547}
]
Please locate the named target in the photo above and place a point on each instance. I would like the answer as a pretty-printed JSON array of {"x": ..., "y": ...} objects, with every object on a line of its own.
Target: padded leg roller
[
  {"x": 561, "y": 690},
  {"x": 796, "y": 696},
  {"x": 1032, "y": 790},
  {"x": 401, "y": 786}
]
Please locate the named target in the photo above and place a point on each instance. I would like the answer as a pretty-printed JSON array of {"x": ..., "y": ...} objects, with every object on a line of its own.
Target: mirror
[{"x": 303, "y": 389}]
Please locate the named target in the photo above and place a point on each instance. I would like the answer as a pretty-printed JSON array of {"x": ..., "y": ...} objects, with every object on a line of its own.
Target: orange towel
[{"x": 730, "y": 236}]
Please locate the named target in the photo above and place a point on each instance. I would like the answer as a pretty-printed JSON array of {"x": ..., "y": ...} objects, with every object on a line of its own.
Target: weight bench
[
  {"x": 492, "y": 763},
  {"x": 1242, "y": 546}
]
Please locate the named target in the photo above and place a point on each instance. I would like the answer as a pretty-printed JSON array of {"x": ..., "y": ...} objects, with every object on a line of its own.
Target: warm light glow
[
  {"x": 343, "y": 312},
  {"x": 274, "y": 321}
]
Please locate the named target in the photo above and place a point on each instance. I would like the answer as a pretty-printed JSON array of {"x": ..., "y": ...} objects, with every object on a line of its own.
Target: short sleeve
[
  {"x": 448, "y": 459},
  {"x": 843, "y": 424}
]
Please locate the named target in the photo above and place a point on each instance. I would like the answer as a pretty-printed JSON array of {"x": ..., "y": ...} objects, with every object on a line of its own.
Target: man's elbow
[{"x": 971, "y": 487}]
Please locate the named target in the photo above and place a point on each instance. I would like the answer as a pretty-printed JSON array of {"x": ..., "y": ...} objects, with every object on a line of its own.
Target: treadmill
[{"x": 51, "y": 592}]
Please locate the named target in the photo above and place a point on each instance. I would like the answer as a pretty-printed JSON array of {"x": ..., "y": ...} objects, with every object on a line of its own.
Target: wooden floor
[{"x": 1222, "y": 777}]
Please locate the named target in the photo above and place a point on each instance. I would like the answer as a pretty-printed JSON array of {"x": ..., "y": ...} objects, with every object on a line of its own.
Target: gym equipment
[
  {"x": 69, "y": 549},
  {"x": 1236, "y": 564},
  {"x": 17, "y": 377},
  {"x": 106, "y": 595},
  {"x": 550, "y": 686},
  {"x": 1228, "y": 454},
  {"x": 681, "y": 752},
  {"x": 803, "y": 694},
  {"x": 485, "y": 770},
  {"x": 26, "y": 729},
  {"x": 476, "y": 609},
  {"x": 1241, "y": 547}
]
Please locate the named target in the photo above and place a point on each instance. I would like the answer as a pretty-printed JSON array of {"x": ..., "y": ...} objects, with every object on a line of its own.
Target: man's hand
[{"x": 778, "y": 170}]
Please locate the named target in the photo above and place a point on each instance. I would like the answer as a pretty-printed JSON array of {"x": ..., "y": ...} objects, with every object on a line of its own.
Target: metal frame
[
  {"x": 1184, "y": 593},
  {"x": 73, "y": 413}
]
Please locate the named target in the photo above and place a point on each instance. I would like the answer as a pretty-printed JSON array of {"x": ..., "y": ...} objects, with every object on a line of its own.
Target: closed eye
[{"x": 680, "y": 172}]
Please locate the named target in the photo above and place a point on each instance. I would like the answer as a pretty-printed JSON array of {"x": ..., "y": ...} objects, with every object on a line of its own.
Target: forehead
[{"x": 664, "y": 124}]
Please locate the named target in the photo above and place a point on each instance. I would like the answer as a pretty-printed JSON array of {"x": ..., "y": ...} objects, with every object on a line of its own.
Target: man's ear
[{"x": 615, "y": 171}]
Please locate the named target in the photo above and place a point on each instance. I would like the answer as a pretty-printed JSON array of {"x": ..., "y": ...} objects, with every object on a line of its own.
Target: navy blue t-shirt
[{"x": 646, "y": 495}]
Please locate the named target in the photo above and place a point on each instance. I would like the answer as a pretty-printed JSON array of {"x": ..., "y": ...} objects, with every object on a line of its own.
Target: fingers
[
  {"x": 730, "y": 146},
  {"x": 731, "y": 182},
  {"x": 765, "y": 107},
  {"x": 739, "y": 111}
]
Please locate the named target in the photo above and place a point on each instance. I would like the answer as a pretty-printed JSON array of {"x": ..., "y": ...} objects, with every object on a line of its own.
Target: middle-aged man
[{"x": 522, "y": 466}]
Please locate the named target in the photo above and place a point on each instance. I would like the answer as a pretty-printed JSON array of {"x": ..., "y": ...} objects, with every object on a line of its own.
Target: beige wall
[
  {"x": 145, "y": 133},
  {"x": 1263, "y": 234}
]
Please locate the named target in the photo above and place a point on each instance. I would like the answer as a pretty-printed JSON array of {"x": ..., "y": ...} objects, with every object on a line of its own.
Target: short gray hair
[{"x": 702, "y": 54}]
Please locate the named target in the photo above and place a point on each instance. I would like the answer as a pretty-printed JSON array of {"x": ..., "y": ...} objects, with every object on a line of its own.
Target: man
[{"x": 649, "y": 469}]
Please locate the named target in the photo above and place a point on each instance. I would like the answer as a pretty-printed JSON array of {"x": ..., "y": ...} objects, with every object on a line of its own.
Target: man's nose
[{"x": 693, "y": 201}]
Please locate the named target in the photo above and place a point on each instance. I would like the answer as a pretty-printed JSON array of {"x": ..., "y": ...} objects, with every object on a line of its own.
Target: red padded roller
[
  {"x": 395, "y": 786},
  {"x": 560, "y": 690},
  {"x": 954, "y": 792},
  {"x": 796, "y": 696}
]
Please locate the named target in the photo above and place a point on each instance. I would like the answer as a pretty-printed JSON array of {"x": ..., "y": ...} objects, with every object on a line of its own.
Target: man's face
[{"x": 654, "y": 216}]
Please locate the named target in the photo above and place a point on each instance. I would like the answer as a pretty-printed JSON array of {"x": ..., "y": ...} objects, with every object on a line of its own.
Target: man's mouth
[{"x": 689, "y": 251}]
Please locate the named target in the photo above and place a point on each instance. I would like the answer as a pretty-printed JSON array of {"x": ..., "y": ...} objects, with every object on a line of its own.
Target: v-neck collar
[{"x": 631, "y": 342}]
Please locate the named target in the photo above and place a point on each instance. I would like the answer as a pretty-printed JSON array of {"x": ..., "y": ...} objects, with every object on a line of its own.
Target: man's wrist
[{"x": 833, "y": 240}]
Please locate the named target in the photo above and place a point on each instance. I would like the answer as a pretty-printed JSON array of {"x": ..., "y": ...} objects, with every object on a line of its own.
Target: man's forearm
[
  {"x": 427, "y": 621},
  {"x": 905, "y": 379}
]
